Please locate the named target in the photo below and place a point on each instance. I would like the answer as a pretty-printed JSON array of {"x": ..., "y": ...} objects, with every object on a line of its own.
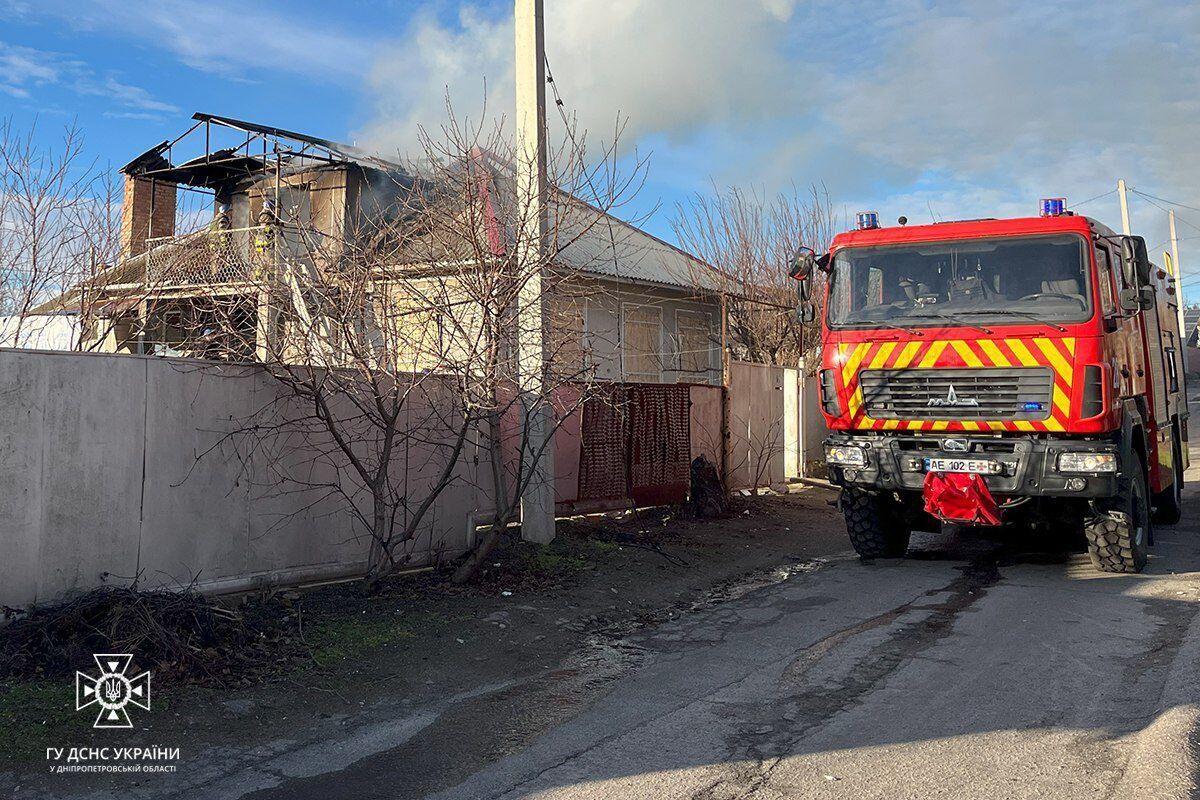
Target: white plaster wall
[{"x": 40, "y": 331}]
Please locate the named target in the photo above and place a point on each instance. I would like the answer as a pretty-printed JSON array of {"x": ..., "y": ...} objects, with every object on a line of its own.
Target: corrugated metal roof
[
  {"x": 586, "y": 239},
  {"x": 1191, "y": 321},
  {"x": 603, "y": 245}
]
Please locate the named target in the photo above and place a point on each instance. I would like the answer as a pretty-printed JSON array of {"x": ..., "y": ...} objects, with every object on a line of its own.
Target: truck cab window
[
  {"x": 1104, "y": 266},
  {"x": 1127, "y": 269}
]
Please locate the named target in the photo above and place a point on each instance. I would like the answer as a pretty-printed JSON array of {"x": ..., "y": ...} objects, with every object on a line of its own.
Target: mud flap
[{"x": 960, "y": 497}]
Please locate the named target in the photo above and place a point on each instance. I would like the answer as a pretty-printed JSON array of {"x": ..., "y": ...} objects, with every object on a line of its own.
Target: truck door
[
  {"x": 1156, "y": 365},
  {"x": 1156, "y": 390},
  {"x": 1126, "y": 341}
]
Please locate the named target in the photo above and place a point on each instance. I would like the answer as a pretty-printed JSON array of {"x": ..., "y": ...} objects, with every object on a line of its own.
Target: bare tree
[
  {"x": 394, "y": 344},
  {"x": 57, "y": 227},
  {"x": 750, "y": 241}
]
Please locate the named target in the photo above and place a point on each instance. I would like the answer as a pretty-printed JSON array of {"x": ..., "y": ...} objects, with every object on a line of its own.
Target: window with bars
[
  {"x": 693, "y": 334},
  {"x": 566, "y": 338}
]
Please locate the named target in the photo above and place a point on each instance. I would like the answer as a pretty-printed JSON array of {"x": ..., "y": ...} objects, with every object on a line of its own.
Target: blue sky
[{"x": 933, "y": 110}]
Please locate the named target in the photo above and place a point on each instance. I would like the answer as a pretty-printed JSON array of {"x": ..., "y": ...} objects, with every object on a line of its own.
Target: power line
[
  {"x": 1151, "y": 198},
  {"x": 1164, "y": 200},
  {"x": 1180, "y": 283},
  {"x": 1090, "y": 199}
]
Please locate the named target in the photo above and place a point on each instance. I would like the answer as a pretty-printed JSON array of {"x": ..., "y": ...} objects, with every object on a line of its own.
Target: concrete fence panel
[{"x": 113, "y": 466}]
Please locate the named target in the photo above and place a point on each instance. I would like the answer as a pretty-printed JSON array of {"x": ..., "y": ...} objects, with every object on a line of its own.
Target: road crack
[{"x": 764, "y": 737}]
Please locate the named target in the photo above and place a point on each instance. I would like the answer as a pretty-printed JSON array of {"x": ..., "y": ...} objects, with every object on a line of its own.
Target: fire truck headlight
[
  {"x": 1087, "y": 462},
  {"x": 845, "y": 455}
]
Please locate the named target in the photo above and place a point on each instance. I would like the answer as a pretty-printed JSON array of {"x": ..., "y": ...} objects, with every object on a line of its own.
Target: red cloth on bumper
[{"x": 960, "y": 497}]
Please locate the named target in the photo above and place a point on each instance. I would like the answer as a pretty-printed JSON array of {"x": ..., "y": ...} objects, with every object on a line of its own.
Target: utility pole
[
  {"x": 1124, "y": 206},
  {"x": 537, "y": 499},
  {"x": 1178, "y": 270}
]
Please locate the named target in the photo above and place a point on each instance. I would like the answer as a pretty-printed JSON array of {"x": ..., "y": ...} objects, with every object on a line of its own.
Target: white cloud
[
  {"x": 125, "y": 95},
  {"x": 23, "y": 69},
  {"x": 981, "y": 109},
  {"x": 234, "y": 40}
]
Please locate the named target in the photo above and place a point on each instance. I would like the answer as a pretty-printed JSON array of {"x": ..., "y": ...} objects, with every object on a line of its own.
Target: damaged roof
[
  {"x": 216, "y": 167},
  {"x": 600, "y": 244},
  {"x": 346, "y": 151}
]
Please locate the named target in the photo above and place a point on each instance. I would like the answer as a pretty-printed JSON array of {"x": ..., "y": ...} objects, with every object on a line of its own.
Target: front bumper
[{"x": 896, "y": 462}]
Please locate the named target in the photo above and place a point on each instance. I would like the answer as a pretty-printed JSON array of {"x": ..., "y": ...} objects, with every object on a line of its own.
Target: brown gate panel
[
  {"x": 604, "y": 442},
  {"x": 636, "y": 443},
  {"x": 660, "y": 444}
]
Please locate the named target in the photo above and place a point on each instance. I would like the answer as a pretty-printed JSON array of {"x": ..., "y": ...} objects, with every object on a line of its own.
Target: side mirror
[
  {"x": 803, "y": 264},
  {"x": 1140, "y": 298},
  {"x": 1147, "y": 297},
  {"x": 1134, "y": 251}
]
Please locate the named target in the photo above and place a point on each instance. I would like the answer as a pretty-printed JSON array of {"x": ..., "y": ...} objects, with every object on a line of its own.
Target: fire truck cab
[{"x": 1022, "y": 371}]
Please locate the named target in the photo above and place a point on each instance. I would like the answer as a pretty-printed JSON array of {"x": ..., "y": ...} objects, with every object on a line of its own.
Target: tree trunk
[
  {"x": 381, "y": 543},
  {"x": 467, "y": 569}
]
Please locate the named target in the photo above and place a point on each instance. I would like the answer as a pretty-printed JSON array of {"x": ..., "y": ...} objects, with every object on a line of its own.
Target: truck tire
[
  {"x": 1168, "y": 504},
  {"x": 875, "y": 524},
  {"x": 1118, "y": 544}
]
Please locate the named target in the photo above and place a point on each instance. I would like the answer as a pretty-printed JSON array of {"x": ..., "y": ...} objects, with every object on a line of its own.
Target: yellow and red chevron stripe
[{"x": 1057, "y": 354}]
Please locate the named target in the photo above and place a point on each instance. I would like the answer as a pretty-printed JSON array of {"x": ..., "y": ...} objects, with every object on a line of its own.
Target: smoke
[{"x": 668, "y": 67}]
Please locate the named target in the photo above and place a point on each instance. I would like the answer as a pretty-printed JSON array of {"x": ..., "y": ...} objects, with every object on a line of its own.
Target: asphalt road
[
  {"x": 976, "y": 668},
  {"x": 972, "y": 670}
]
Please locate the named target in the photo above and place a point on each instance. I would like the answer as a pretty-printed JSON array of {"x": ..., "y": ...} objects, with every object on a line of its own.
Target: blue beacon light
[
  {"x": 1054, "y": 206},
  {"x": 867, "y": 220}
]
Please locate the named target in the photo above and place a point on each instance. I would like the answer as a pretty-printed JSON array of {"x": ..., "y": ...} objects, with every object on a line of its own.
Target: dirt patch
[{"x": 422, "y": 640}]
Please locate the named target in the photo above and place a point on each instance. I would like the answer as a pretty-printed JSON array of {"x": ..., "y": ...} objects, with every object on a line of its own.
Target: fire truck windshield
[{"x": 1044, "y": 278}]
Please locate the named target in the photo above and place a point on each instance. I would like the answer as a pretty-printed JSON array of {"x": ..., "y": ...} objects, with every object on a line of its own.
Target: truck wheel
[
  {"x": 875, "y": 524},
  {"x": 1168, "y": 504},
  {"x": 1118, "y": 544}
]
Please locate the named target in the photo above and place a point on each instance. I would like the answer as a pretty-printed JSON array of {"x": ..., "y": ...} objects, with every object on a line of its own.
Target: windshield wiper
[
  {"x": 876, "y": 325},
  {"x": 952, "y": 318},
  {"x": 1008, "y": 312}
]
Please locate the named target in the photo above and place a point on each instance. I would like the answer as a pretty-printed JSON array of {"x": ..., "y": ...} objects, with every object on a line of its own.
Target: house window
[
  {"x": 693, "y": 332},
  {"x": 566, "y": 347},
  {"x": 414, "y": 329},
  {"x": 641, "y": 343}
]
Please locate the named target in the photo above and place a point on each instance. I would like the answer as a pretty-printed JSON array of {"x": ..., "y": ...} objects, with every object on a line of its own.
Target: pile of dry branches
[{"x": 179, "y": 637}]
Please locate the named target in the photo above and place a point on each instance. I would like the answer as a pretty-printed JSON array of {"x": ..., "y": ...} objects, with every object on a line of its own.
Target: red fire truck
[{"x": 1020, "y": 371}]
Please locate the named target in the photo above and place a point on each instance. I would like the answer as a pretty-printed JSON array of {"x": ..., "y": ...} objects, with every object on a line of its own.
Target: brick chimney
[{"x": 147, "y": 211}]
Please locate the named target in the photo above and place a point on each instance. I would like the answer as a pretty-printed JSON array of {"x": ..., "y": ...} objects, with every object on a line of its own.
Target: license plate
[{"x": 977, "y": 465}]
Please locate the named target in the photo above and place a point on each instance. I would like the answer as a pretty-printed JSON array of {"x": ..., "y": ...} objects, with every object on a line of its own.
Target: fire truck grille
[{"x": 996, "y": 393}]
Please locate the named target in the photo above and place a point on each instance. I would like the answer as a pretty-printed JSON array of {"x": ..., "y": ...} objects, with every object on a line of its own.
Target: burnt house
[{"x": 206, "y": 214}]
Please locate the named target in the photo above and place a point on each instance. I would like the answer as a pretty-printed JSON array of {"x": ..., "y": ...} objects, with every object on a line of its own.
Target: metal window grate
[{"x": 204, "y": 258}]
